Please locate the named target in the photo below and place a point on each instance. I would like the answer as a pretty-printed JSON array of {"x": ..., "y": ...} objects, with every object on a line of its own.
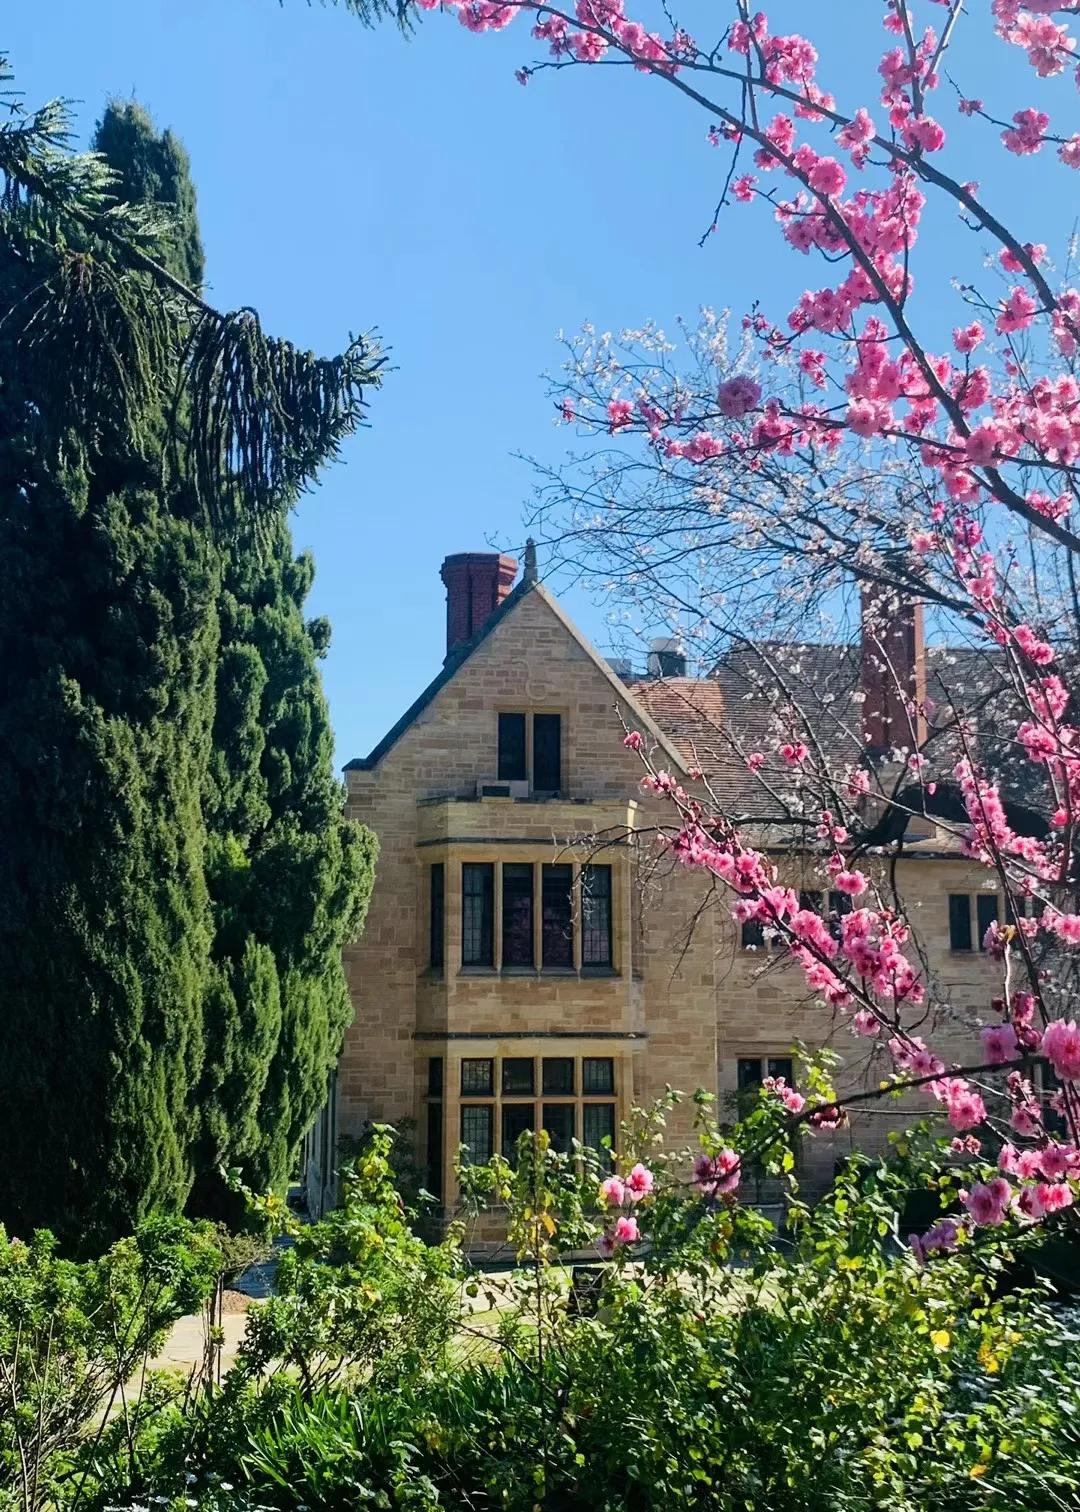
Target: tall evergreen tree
[{"x": 176, "y": 878}]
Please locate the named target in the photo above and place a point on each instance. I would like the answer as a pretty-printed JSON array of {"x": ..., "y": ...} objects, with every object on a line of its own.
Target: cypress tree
[{"x": 176, "y": 877}]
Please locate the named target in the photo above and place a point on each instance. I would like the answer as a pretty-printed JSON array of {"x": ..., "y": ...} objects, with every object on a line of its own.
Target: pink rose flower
[
  {"x": 613, "y": 1191},
  {"x": 717, "y": 1174},
  {"x": 639, "y": 1183},
  {"x": 626, "y": 1231}
]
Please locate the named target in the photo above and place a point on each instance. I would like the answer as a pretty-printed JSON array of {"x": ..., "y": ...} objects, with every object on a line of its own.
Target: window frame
[
  {"x": 477, "y": 1060},
  {"x": 569, "y": 933},
  {"x": 508, "y": 1092},
  {"x": 471, "y": 1108},
  {"x": 607, "y": 934},
  {"x": 548, "y": 717},
  {"x": 607, "y": 1090},
  {"x": 517, "y": 871},
  {"x": 485, "y": 932},
  {"x": 549, "y": 1089},
  {"x": 983, "y": 901},
  {"x": 515, "y": 724},
  {"x": 960, "y": 924},
  {"x": 437, "y": 916}
]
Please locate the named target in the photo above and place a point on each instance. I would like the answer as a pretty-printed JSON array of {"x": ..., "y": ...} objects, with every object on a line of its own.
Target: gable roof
[
  {"x": 691, "y": 712},
  {"x": 626, "y": 695}
]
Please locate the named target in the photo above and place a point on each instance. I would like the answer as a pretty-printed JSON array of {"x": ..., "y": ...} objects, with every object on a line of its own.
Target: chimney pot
[
  {"x": 892, "y": 668},
  {"x": 666, "y": 658},
  {"x": 477, "y": 582}
]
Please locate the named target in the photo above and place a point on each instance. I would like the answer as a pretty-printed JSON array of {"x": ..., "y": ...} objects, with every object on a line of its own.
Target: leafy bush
[
  {"x": 725, "y": 1367},
  {"x": 73, "y": 1335}
]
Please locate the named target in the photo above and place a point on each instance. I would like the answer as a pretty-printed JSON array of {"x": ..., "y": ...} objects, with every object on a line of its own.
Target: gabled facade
[{"x": 530, "y": 958}]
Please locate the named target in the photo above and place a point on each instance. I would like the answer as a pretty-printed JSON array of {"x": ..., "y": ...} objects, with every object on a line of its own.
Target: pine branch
[{"x": 104, "y": 329}]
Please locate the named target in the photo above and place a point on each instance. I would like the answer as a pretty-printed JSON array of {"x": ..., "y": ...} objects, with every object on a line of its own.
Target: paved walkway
[{"x": 183, "y": 1349}]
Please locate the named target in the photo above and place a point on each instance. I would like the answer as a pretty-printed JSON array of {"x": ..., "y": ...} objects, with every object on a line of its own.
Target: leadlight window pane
[
  {"x": 516, "y": 1119},
  {"x": 810, "y": 898},
  {"x": 512, "y": 748},
  {"x": 782, "y": 1065},
  {"x": 517, "y": 1077},
  {"x": 557, "y": 916},
  {"x": 435, "y": 1076},
  {"x": 559, "y": 1075},
  {"x": 438, "y": 915},
  {"x": 517, "y": 920},
  {"x": 476, "y": 1133},
  {"x": 597, "y": 1124},
  {"x": 752, "y": 934},
  {"x": 748, "y": 1072},
  {"x": 959, "y": 921},
  {"x": 596, "y": 915},
  {"x": 840, "y": 903},
  {"x": 559, "y": 1123},
  {"x": 477, "y": 913},
  {"x": 547, "y": 753},
  {"x": 477, "y": 1078},
  {"x": 986, "y": 909},
  {"x": 597, "y": 1075},
  {"x": 435, "y": 1148}
]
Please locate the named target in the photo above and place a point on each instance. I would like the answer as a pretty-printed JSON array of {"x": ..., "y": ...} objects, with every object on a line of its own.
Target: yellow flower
[{"x": 940, "y": 1339}]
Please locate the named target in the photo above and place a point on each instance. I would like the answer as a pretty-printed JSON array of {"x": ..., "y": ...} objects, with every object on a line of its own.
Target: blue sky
[{"x": 350, "y": 178}]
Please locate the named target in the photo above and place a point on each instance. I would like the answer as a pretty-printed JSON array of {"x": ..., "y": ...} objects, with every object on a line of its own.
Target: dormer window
[{"x": 538, "y": 735}]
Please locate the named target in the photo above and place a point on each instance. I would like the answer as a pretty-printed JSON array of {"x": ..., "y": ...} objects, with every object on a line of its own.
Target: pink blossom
[
  {"x": 626, "y": 1230},
  {"x": 1061, "y": 1046},
  {"x": 857, "y": 134},
  {"x": 613, "y": 1191},
  {"x": 1055, "y": 1195},
  {"x": 1028, "y": 132},
  {"x": 756, "y": 760},
  {"x": 1026, "y": 1119},
  {"x": 999, "y": 1044},
  {"x": 588, "y": 47},
  {"x": 964, "y": 1107},
  {"x": 987, "y": 1203},
  {"x": 717, "y": 1175},
  {"x": 620, "y": 414},
  {"x": 634, "y": 740},
  {"x": 1012, "y": 264},
  {"x": 1017, "y": 312},
  {"x": 967, "y": 338},
  {"x": 1057, "y": 1160},
  {"x": 1066, "y": 927},
  {"x": 794, "y": 752},
  {"x": 925, "y": 133},
  {"x": 852, "y": 882},
  {"x": 827, "y": 177},
  {"x": 743, "y": 187},
  {"x": 736, "y": 396},
  {"x": 639, "y": 1183},
  {"x": 864, "y": 1022},
  {"x": 1069, "y": 152}
]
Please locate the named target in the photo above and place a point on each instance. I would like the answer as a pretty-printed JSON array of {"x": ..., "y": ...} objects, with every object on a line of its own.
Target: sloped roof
[
  {"x": 626, "y": 695},
  {"x": 691, "y": 711}
]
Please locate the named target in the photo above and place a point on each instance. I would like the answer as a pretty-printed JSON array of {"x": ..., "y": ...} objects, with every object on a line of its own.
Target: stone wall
[{"x": 683, "y": 1001}]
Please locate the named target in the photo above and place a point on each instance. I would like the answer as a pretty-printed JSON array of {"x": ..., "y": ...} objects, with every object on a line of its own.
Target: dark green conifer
[{"x": 176, "y": 878}]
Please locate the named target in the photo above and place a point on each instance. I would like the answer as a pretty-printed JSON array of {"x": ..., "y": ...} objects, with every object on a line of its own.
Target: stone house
[{"x": 531, "y": 957}]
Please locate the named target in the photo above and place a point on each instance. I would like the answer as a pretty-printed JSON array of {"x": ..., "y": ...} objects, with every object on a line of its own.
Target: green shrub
[{"x": 75, "y": 1335}]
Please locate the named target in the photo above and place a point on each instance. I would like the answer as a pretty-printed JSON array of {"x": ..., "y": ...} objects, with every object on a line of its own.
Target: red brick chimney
[
  {"x": 476, "y": 584},
  {"x": 892, "y": 668}
]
